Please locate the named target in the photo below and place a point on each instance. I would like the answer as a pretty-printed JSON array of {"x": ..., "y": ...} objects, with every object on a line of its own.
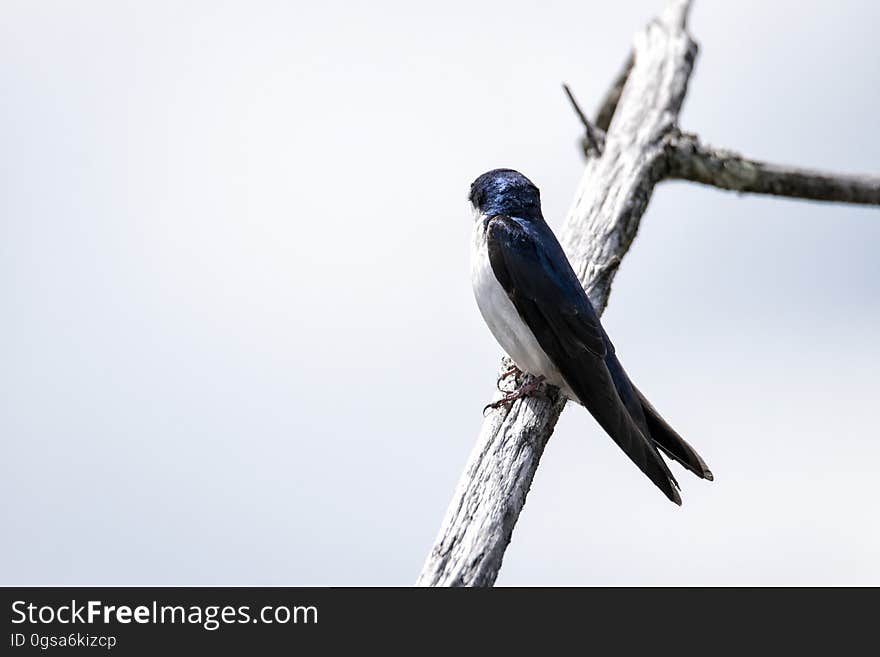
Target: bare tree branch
[
  {"x": 594, "y": 139},
  {"x": 625, "y": 159},
  {"x": 609, "y": 103},
  {"x": 599, "y": 229},
  {"x": 691, "y": 160}
]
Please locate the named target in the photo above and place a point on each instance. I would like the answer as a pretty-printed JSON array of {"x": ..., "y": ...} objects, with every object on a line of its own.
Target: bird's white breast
[{"x": 499, "y": 313}]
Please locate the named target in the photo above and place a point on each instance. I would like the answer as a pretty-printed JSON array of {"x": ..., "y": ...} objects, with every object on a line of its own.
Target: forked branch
[
  {"x": 598, "y": 231},
  {"x": 626, "y": 158}
]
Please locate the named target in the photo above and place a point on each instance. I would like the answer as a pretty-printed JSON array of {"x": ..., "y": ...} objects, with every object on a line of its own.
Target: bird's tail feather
[
  {"x": 652, "y": 425},
  {"x": 599, "y": 394},
  {"x": 668, "y": 440}
]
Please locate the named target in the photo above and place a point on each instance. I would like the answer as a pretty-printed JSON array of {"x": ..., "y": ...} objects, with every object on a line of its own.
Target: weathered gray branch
[
  {"x": 599, "y": 229},
  {"x": 633, "y": 144},
  {"x": 609, "y": 103},
  {"x": 689, "y": 159}
]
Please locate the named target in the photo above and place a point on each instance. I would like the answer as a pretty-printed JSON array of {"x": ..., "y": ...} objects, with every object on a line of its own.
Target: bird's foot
[
  {"x": 513, "y": 369},
  {"x": 529, "y": 389}
]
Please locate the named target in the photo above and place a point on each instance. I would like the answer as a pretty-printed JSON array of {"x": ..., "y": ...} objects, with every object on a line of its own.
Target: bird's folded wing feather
[{"x": 532, "y": 268}]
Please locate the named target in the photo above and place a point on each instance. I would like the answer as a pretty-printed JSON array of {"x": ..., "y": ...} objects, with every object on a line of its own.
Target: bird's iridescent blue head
[{"x": 505, "y": 191}]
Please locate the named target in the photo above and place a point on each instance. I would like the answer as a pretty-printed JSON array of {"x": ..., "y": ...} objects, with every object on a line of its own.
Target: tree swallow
[{"x": 541, "y": 316}]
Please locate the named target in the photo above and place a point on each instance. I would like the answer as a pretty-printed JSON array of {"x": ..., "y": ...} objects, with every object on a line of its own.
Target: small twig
[{"x": 593, "y": 142}]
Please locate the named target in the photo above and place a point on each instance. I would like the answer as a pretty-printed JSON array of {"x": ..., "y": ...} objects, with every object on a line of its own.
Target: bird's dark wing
[
  {"x": 650, "y": 421},
  {"x": 532, "y": 268}
]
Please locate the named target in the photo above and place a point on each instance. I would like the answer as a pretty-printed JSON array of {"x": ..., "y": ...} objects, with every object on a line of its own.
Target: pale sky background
[{"x": 239, "y": 344}]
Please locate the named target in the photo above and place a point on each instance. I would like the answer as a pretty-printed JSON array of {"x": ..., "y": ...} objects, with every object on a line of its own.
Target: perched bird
[{"x": 541, "y": 316}]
